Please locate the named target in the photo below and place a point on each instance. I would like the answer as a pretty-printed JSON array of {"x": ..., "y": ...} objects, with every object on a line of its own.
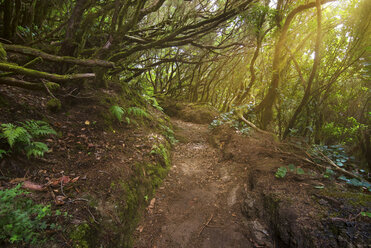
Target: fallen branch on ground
[
  {"x": 337, "y": 168},
  {"x": 206, "y": 224}
]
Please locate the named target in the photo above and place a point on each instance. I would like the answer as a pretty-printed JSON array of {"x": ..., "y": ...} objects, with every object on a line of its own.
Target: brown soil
[
  {"x": 226, "y": 195},
  {"x": 199, "y": 203},
  {"x": 220, "y": 192},
  {"x": 102, "y": 157}
]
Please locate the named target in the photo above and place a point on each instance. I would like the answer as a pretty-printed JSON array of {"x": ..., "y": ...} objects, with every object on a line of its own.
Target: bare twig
[
  {"x": 62, "y": 187},
  {"x": 207, "y": 223},
  {"x": 337, "y": 168},
  {"x": 47, "y": 89},
  {"x": 87, "y": 208}
]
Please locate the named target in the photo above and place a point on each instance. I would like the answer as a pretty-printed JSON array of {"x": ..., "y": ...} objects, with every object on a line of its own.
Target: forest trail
[{"x": 198, "y": 203}]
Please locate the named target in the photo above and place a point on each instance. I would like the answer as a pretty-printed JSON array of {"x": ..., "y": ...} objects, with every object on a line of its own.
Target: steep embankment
[{"x": 226, "y": 195}]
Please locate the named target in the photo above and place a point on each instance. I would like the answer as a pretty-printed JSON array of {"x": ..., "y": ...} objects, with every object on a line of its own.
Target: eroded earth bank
[{"x": 222, "y": 192}]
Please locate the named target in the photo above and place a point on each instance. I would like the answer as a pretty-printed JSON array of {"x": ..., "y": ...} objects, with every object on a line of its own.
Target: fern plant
[
  {"x": 138, "y": 112},
  {"x": 117, "y": 112},
  {"x": 22, "y": 137}
]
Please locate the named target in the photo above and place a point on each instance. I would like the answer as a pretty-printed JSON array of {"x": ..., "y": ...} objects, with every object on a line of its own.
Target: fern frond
[
  {"x": 15, "y": 134},
  {"x": 138, "y": 112},
  {"x": 38, "y": 128},
  {"x": 152, "y": 100},
  {"x": 2, "y": 153},
  {"x": 127, "y": 119},
  {"x": 36, "y": 149},
  {"x": 117, "y": 112}
]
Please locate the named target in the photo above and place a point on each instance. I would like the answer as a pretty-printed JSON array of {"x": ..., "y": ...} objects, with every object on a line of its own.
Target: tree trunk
[
  {"x": 68, "y": 46},
  {"x": 312, "y": 74},
  {"x": 267, "y": 103}
]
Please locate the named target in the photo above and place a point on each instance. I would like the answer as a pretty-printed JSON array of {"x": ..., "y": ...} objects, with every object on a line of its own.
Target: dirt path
[{"x": 198, "y": 204}]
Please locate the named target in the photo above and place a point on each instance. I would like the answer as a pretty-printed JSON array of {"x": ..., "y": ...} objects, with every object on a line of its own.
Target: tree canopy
[{"x": 295, "y": 68}]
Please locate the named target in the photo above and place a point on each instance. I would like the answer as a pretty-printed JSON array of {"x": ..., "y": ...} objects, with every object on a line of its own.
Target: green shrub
[
  {"x": 21, "y": 138},
  {"x": 21, "y": 220}
]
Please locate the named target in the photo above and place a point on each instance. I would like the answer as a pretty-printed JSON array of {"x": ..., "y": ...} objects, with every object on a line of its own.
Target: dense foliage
[
  {"x": 21, "y": 219},
  {"x": 299, "y": 68}
]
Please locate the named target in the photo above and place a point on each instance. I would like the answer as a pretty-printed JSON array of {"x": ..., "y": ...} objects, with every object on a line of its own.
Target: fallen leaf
[
  {"x": 140, "y": 228},
  {"x": 57, "y": 182},
  {"x": 65, "y": 179},
  {"x": 87, "y": 122},
  {"x": 59, "y": 200},
  {"x": 18, "y": 180},
  {"x": 151, "y": 205},
  {"x": 33, "y": 186},
  {"x": 75, "y": 179}
]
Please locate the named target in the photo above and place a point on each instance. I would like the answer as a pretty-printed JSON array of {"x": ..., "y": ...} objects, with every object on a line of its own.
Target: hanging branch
[
  {"x": 65, "y": 59},
  {"x": 20, "y": 83},
  {"x": 39, "y": 74}
]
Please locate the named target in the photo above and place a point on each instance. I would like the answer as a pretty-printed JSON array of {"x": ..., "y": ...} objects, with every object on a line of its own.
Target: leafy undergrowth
[{"x": 97, "y": 168}]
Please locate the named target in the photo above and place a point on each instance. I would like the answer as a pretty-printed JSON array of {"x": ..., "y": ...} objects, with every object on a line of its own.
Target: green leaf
[
  {"x": 355, "y": 182},
  {"x": 364, "y": 214},
  {"x": 319, "y": 187},
  {"x": 15, "y": 134},
  {"x": 300, "y": 171},
  {"x": 38, "y": 128},
  {"x": 2, "y": 153},
  {"x": 281, "y": 172},
  {"x": 117, "y": 112},
  {"x": 343, "y": 178},
  {"x": 291, "y": 167}
]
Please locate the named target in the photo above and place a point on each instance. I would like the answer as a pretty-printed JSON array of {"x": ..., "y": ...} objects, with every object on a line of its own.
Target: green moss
[
  {"x": 54, "y": 105},
  {"x": 147, "y": 177},
  {"x": 163, "y": 153},
  {"x": 52, "y": 86},
  {"x": 81, "y": 236},
  {"x": 352, "y": 198}
]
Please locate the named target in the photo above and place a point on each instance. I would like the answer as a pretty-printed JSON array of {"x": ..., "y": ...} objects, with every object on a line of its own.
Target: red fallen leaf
[
  {"x": 75, "y": 179},
  {"x": 65, "y": 179},
  {"x": 33, "y": 186},
  {"x": 57, "y": 182}
]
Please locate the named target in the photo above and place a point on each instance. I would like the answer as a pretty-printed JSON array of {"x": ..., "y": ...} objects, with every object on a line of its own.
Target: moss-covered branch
[
  {"x": 65, "y": 59},
  {"x": 40, "y": 74},
  {"x": 21, "y": 84}
]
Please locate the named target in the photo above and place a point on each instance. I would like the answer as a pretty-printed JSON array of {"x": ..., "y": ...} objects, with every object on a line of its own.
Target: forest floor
[
  {"x": 222, "y": 192},
  {"x": 197, "y": 206}
]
